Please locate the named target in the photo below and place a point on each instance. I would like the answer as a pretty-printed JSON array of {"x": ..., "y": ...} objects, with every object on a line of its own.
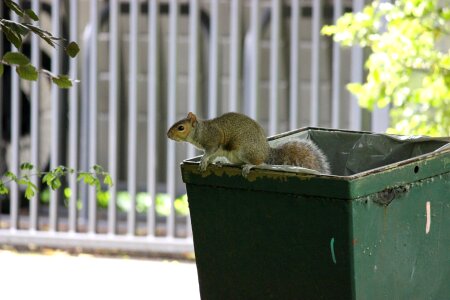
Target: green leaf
[
  {"x": 19, "y": 28},
  {"x": 30, "y": 13},
  {"x": 103, "y": 198},
  {"x": 16, "y": 58},
  {"x": 355, "y": 88},
  {"x": 81, "y": 176},
  {"x": 10, "y": 175},
  {"x": 87, "y": 178},
  {"x": 2, "y": 69},
  {"x": 14, "y": 7},
  {"x": 67, "y": 192},
  {"x": 26, "y": 166},
  {"x": 328, "y": 30},
  {"x": 3, "y": 188},
  {"x": 29, "y": 192},
  {"x": 45, "y": 35},
  {"x": 48, "y": 178},
  {"x": 27, "y": 72},
  {"x": 97, "y": 168},
  {"x": 58, "y": 171},
  {"x": 72, "y": 49},
  {"x": 181, "y": 205},
  {"x": 13, "y": 37},
  {"x": 94, "y": 182},
  {"x": 55, "y": 183},
  {"x": 62, "y": 81},
  {"x": 22, "y": 181},
  {"x": 108, "y": 180}
]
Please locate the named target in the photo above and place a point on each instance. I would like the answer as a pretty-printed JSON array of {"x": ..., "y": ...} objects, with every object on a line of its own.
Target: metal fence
[{"x": 143, "y": 65}]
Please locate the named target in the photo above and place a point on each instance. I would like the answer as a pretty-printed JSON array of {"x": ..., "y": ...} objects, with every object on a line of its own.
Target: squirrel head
[{"x": 180, "y": 130}]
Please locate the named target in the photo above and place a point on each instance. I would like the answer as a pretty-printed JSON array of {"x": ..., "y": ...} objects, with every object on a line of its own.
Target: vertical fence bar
[
  {"x": 380, "y": 116},
  {"x": 193, "y": 62},
  {"x": 315, "y": 63},
  {"x": 92, "y": 201},
  {"x": 193, "y": 75},
  {"x": 15, "y": 140},
  {"x": 55, "y": 113},
  {"x": 380, "y": 119},
  {"x": 132, "y": 115},
  {"x": 35, "y": 116},
  {"x": 1, "y": 81},
  {"x": 153, "y": 89},
  {"x": 114, "y": 91},
  {"x": 213, "y": 60},
  {"x": 235, "y": 55},
  {"x": 274, "y": 66},
  {"x": 254, "y": 71},
  {"x": 336, "y": 71},
  {"x": 73, "y": 121},
  {"x": 171, "y": 110},
  {"x": 293, "y": 70},
  {"x": 356, "y": 75}
]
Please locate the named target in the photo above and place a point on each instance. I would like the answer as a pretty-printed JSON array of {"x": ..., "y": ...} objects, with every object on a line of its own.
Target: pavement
[{"x": 59, "y": 275}]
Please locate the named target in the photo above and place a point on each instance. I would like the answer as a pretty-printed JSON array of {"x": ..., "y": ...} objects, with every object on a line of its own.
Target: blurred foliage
[
  {"x": 143, "y": 201},
  {"x": 409, "y": 64}
]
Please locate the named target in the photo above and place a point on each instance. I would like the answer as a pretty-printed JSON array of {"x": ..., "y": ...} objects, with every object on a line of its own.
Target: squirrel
[
  {"x": 242, "y": 140},
  {"x": 234, "y": 136}
]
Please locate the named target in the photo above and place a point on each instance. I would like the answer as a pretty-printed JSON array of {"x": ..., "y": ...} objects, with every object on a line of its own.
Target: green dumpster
[{"x": 378, "y": 228}]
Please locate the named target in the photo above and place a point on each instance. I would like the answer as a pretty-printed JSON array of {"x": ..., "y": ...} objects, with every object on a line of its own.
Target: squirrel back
[{"x": 301, "y": 153}]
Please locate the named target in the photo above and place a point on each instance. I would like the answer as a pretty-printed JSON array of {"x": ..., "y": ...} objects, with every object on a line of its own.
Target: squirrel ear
[{"x": 192, "y": 117}]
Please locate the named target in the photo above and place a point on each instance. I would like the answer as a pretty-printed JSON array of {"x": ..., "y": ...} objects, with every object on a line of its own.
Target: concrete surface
[{"x": 58, "y": 275}]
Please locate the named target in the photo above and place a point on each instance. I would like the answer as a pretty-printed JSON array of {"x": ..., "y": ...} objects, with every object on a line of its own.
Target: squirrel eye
[{"x": 181, "y": 127}]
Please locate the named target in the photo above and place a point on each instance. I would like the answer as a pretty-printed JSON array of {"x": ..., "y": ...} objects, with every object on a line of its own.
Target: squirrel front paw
[{"x": 203, "y": 165}]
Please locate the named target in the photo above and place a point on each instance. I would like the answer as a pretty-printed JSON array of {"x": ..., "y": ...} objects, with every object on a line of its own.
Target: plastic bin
[{"x": 379, "y": 228}]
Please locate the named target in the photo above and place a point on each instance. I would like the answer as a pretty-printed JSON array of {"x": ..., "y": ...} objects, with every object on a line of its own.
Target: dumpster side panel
[
  {"x": 402, "y": 251},
  {"x": 264, "y": 245}
]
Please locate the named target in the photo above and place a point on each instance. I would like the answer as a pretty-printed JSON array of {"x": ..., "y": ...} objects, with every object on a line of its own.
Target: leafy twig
[
  {"x": 15, "y": 32},
  {"x": 52, "y": 178}
]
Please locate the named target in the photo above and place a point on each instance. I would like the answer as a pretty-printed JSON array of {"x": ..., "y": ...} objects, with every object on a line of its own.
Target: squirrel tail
[{"x": 300, "y": 153}]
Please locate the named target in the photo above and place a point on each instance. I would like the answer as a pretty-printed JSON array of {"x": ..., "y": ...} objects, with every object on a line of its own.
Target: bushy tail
[{"x": 300, "y": 153}]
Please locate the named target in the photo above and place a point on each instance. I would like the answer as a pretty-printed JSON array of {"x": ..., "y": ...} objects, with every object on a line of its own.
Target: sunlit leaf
[
  {"x": 67, "y": 192},
  {"x": 108, "y": 180},
  {"x": 16, "y": 58},
  {"x": 29, "y": 192},
  {"x": 3, "y": 188},
  {"x": 55, "y": 183},
  {"x": 48, "y": 178}
]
